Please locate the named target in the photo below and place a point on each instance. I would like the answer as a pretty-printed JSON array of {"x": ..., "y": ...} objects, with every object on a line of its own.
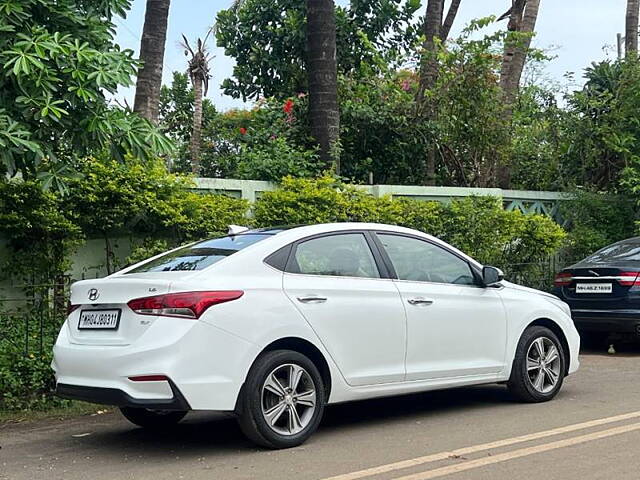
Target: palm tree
[
  {"x": 198, "y": 70},
  {"x": 522, "y": 19},
  {"x": 631, "y": 28},
  {"x": 149, "y": 82},
  {"x": 322, "y": 77},
  {"x": 449, "y": 19},
  {"x": 434, "y": 29},
  {"x": 522, "y": 15},
  {"x": 324, "y": 115}
]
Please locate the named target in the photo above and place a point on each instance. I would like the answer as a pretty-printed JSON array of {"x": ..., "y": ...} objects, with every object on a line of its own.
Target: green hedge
[{"x": 479, "y": 226}]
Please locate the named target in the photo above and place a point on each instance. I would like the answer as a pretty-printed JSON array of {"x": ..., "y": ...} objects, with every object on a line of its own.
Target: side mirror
[{"x": 491, "y": 276}]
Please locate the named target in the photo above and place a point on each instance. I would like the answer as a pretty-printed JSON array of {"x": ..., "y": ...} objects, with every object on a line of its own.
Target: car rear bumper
[
  {"x": 119, "y": 398},
  {"x": 613, "y": 321},
  {"x": 206, "y": 367}
]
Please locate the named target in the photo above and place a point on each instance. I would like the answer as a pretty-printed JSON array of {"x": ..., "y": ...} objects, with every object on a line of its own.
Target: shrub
[
  {"x": 193, "y": 216},
  {"x": 305, "y": 201},
  {"x": 479, "y": 226},
  {"x": 275, "y": 159},
  {"x": 27, "y": 382},
  {"x": 26, "y": 378},
  {"x": 595, "y": 220},
  {"x": 39, "y": 233},
  {"x": 114, "y": 199}
]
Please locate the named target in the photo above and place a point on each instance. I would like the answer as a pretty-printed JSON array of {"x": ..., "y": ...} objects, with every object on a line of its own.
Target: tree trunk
[
  {"x": 154, "y": 34},
  {"x": 524, "y": 14},
  {"x": 197, "y": 127},
  {"x": 429, "y": 61},
  {"x": 522, "y": 19},
  {"x": 324, "y": 115},
  {"x": 631, "y": 28},
  {"x": 448, "y": 21},
  {"x": 425, "y": 108}
]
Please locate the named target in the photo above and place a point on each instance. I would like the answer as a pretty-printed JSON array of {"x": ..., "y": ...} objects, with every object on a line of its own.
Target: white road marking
[
  {"x": 367, "y": 472},
  {"x": 523, "y": 452}
]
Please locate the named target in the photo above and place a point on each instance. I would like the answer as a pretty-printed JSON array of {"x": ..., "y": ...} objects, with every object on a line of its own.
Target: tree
[
  {"x": 604, "y": 134},
  {"x": 58, "y": 62},
  {"x": 449, "y": 19},
  {"x": 324, "y": 116},
  {"x": 198, "y": 71},
  {"x": 267, "y": 40},
  {"x": 176, "y": 109},
  {"x": 429, "y": 61},
  {"x": 522, "y": 21},
  {"x": 522, "y": 16},
  {"x": 631, "y": 28},
  {"x": 154, "y": 35},
  {"x": 435, "y": 32},
  {"x": 468, "y": 129}
]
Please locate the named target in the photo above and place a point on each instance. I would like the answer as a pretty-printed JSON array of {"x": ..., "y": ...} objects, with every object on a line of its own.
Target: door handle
[
  {"x": 419, "y": 301},
  {"x": 312, "y": 299}
]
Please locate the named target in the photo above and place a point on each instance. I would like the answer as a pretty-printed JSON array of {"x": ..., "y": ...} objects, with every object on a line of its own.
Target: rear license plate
[
  {"x": 594, "y": 288},
  {"x": 99, "y": 319}
]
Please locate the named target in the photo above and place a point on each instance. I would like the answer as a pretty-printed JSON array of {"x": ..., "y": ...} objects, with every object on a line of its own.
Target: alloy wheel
[
  {"x": 288, "y": 399},
  {"x": 543, "y": 364}
]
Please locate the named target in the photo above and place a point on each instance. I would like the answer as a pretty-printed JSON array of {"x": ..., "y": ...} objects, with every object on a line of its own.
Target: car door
[
  {"x": 338, "y": 286},
  {"x": 454, "y": 327}
]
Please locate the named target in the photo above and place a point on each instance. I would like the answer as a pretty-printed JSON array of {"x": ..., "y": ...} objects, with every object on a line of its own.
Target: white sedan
[{"x": 274, "y": 324}]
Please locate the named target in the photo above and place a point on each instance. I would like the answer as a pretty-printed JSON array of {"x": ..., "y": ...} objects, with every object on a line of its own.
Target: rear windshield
[
  {"x": 616, "y": 253},
  {"x": 199, "y": 255}
]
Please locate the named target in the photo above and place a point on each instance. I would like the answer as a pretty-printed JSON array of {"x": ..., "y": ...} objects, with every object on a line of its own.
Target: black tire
[
  {"x": 152, "y": 419},
  {"x": 520, "y": 383},
  {"x": 251, "y": 419}
]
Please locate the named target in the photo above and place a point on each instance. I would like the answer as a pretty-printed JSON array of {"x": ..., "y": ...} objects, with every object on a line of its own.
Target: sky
[{"x": 576, "y": 32}]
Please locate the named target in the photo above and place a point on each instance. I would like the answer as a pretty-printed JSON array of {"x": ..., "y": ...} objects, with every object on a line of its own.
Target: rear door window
[
  {"x": 341, "y": 255},
  {"x": 199, "y": 255}
]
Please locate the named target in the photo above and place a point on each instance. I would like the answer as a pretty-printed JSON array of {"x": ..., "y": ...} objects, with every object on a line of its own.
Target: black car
[{"x": 603, "y": 290}]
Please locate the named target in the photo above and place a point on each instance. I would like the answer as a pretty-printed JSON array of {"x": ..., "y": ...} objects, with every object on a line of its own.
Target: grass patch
[{"x": 74, "y": 409}]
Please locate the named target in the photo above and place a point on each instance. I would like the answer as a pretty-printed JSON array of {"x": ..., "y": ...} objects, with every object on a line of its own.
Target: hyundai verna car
[
  {"x": 275, "y": 324},
  {"x": 603, "y": 290}
]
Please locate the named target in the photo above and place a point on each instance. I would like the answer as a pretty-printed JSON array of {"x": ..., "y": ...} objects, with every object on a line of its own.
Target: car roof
[
  {"x": 310, "y": 229},
  {"x": 629, "y": 240},
  {"x": 294, "y": 233},
  {"x": 270, "y": 230}
]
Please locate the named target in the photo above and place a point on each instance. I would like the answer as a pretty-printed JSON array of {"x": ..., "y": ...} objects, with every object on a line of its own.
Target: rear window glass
[
  {"x": 199, "y": 255},
  {"x": 619, "y": 252}
]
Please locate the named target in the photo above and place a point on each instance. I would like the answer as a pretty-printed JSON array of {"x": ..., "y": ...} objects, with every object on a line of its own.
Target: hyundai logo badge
[{"x": 93, "y": 294}]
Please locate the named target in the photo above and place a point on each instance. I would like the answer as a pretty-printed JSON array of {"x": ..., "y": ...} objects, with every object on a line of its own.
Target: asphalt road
[{"x": 591, "y": 431}]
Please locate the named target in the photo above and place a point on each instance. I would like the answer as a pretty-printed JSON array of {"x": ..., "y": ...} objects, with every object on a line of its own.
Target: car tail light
[
  {"x": 629, "y": 279},
  {"x": 71, "y": 308},
  {"x": 149, "y": 378},
  {"x": 182, "y": 305},
  {"x": 563, "y": 279}
]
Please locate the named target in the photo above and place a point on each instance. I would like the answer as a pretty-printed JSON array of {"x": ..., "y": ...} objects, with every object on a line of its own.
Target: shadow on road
[
  {"x": 421, "y": 405},
  {"x": 624, "y": 346},
  {"x": 213, "y": 433}
]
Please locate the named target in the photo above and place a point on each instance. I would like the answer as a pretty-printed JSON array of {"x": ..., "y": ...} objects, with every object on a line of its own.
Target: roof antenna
[{"x": 237, "y": 229}]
